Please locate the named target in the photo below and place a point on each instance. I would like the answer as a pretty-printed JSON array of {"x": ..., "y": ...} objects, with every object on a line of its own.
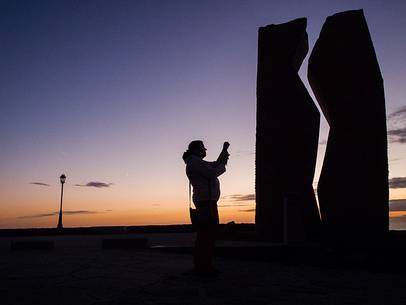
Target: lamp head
[{"x": 62, "y": 178}]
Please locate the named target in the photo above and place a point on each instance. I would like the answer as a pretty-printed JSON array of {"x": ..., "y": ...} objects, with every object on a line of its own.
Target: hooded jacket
[{"x": 201, "y": 174}]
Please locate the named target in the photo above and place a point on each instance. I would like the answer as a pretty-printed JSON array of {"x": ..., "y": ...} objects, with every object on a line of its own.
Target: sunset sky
[{"x": 111, "y": 92}]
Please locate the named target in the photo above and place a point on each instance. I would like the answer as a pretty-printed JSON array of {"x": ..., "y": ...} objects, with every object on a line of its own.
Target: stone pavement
[{"x": 79, "y": 272}]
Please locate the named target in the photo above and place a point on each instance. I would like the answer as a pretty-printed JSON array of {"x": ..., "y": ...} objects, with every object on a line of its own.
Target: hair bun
[{"x": 186, "y": 155}]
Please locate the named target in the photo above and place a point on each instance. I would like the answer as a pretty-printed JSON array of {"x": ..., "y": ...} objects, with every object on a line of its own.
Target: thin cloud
[
  {"x": 78, "y": 212},
  {"x": 398, "y": 114},
  {"x": 96, "y": 184},
  {"x": 240, "y": 197},
  {"x": 40, "y": 183},
  {"x": 397, "y": 126},
  {"x": 397, "y": 135},
  {"x": 247, "y": 210},
  {"x": 39, "y": 215},
  {"x": 397, "y": 183},
  {"x": 397, "y": 205}
]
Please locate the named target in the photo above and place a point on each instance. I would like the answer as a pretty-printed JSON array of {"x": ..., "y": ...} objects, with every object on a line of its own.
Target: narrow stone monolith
[
  {"x": 286, "y": 136},
  {"x": 345, "y": 77}
]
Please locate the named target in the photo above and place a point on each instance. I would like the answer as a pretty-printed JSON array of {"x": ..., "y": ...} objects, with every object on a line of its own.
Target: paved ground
[{"x": 78, "y": 272}]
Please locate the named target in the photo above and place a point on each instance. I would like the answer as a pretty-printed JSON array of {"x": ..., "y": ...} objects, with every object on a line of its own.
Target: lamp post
[{"x": 62, "y": 178}]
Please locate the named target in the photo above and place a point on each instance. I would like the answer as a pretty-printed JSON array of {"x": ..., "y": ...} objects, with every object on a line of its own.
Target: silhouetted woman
[{"x": 206, "y": 192}]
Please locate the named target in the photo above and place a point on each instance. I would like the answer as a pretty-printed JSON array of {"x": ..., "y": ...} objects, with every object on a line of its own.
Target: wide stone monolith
[
  {"x": 344, "y": 74},
  {"x": 286, "y": 136}
]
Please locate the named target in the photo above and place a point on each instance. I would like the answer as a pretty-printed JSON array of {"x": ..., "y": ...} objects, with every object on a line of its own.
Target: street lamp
[{"x": 62, "y": 178}]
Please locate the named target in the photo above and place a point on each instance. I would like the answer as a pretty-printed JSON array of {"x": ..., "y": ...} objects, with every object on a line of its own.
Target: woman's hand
[{"x": 224, "y": 155}]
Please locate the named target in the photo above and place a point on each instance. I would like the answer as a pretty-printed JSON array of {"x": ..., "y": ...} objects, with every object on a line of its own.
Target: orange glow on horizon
[
  {"x": 395, "y": 214},
  {"x": 155, "y": 215}
]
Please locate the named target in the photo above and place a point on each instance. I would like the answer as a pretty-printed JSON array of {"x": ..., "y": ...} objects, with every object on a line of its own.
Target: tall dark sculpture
[
  {"x": 345, "y": 77},
  {"x": 287, "y": 133}
]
